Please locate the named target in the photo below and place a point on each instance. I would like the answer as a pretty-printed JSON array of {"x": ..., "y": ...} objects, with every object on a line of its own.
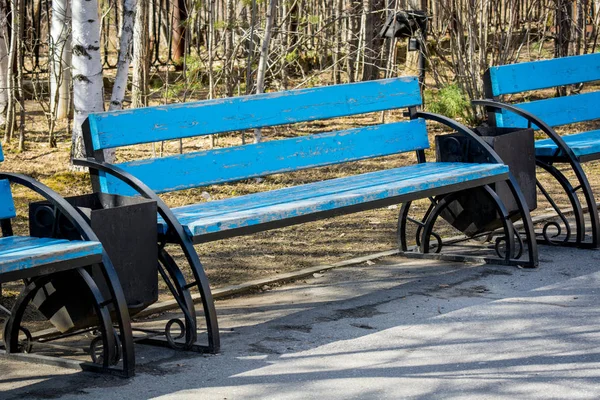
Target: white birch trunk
[
  {"x": 118, "y": 93},
  {"x": 60, "y": 49},
  {"x": 264, "y": 58},
  {"x": 123, "y": 64},
  {"x": 4, "y": 48},
  {"x": 139, "y": 88},
  {"x": 88, "y": 88}
]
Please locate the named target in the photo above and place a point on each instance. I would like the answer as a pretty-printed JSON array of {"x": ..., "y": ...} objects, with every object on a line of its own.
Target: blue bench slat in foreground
[
  {"x": 545, "y": 114},
  {"x": 37, "y": 252},
  {"x": 236, "y": 216}
]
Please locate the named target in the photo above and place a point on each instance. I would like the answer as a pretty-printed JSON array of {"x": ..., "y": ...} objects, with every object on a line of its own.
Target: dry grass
[{"x": 244, "y": 258}]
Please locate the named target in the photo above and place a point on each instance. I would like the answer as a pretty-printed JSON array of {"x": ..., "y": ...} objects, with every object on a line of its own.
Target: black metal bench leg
[
  {"x": 591, "y": 205},
  {"x": 208, "y": 304},
  {"x": 180, "y": 289},
  {"x": 446, "y": 201},
  {"x": 575, "y": 205},
  {"x": 122, "y": 314},
  {"x": 402, "y": 225},
  {"x": 178, "y": 234},
  {"x": 176, "y": 283},
  {"x": 527, "y": 222},
  {"x": 403, "y": 220},
  {"x": 112, "y": 346}
]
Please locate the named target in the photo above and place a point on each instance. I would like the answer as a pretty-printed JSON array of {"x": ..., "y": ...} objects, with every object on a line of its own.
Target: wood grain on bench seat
[{"x": 260, "y": 208}]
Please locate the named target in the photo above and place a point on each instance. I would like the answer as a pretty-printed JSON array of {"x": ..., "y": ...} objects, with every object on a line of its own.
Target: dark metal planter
[
  {"x": 473, "y": 212},
  {"x": 126, "y": 226}
]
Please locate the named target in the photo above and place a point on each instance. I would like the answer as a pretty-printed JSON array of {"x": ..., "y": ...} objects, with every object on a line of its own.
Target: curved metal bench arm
[
  {"x": 179, "y": 233},
  {"x": 562, "y": 145},
  {"x": 57, "y": 200},
  {"x": 531, "y": 120},
  {"x": 460, "y": 128},
  {"x": 511, "y": 181}
]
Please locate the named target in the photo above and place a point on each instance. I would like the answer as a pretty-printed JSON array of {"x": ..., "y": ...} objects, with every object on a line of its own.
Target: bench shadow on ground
[{"x": 379, "y": 325}]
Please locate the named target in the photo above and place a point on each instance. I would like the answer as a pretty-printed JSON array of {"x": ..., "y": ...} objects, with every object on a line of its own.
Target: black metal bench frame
[
  {"x": 547, "y": 164},
  {"x": 180, "y": 288},
  {"x": 115, "y": 346}
]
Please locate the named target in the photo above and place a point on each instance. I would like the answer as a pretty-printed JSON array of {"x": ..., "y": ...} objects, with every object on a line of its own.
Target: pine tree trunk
[
  {"x": 141, "y": 64},
  {"x": 60, "y": 49},
  {"x": 338, "y": 42},
  {"x": 179, "y": 30},
  {"x": 88, "y": 87},
  {"x": 353, "y": 40}
]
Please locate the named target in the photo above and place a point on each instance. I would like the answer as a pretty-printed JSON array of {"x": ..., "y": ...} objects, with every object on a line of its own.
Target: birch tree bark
[
  {"x": 264, "y": 58},
  {"x": 60, "y": 50},
  {"x": 10, "y": 76},
  {"x": 124, "y": 62},
  {"x": 139, "y": 87},
  {"x": 88, "y": 88},
  {"x": 4, "y": 44}
]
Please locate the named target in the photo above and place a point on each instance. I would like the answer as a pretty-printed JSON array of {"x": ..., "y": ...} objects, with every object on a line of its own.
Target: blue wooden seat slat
[
  {"x": 153, "y": 124},
  {"x": 15, "y": 243},
  {"x": 314, "y": 189},
  {"x": 582, "y": 144},
  {"x": 535, "y": 75},
  {"x": 254, "y": 209},
  {"x": 198, "y": 169},
  {"x": 40, "y": 252}
]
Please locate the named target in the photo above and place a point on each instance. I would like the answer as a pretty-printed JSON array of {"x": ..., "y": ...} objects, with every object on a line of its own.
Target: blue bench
[
  {"x": 544, "y": 115},
  {"x": 207, "y": 221},
  {"x": 37, "y": 260}
]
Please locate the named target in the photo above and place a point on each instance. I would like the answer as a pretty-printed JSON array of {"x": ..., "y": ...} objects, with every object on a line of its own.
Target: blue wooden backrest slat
[
  {"x": 235, "y": 163},
  {"x": 535, "y": 75},
  {"x": 7, "y": 205},
  {"x": 153, "y": 124},
  {"x": 556, "y": 111}
]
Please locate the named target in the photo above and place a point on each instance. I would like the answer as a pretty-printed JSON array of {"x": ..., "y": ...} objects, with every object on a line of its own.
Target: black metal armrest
[
  {"x": 462, "y": 129},
  {"x": 497, "y": 106},
  {"x": 57, "y": 200}
]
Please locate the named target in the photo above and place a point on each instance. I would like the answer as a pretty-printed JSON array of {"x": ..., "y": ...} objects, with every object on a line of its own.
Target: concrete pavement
[{"x": 394, "y": 329}]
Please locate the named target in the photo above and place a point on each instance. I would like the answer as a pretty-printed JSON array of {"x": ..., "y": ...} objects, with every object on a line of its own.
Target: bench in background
[
  {"x": 207, "y": 221},
  {"x": 38, "y": 260},
  {"x": 544, "y": 115}
]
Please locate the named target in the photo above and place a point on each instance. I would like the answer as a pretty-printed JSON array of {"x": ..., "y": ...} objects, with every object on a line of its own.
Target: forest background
[{"x": 67, "y": 58}]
